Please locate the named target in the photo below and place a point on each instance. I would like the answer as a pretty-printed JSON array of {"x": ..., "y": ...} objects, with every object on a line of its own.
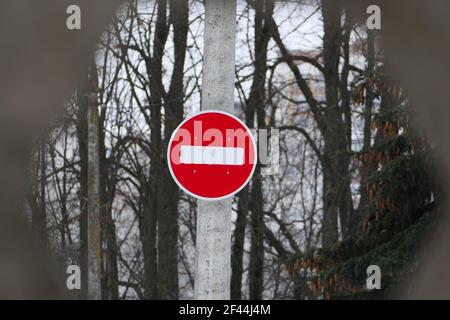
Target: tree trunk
[
  {"x": 147, "y": 229},
  {"x": 94, "y": 218},
  {"x": 157, "y": 94},
  {"x": 82, "y": 134},
  {"x": 110, "y": 279},
  {"x": 336, "y": 176},
  {"x": 168, "y": 222},
  {"x": 238, "y": 246},
  {"x": 263, "y": 16},
  {"x": 366, "y": 169}
]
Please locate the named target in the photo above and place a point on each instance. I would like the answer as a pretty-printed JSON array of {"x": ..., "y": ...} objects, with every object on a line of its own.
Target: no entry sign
[{"x": 212, "y": 155}]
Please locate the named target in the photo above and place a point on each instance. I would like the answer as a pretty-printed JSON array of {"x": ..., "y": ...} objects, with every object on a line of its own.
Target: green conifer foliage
[{"x": 402, "y": 207}]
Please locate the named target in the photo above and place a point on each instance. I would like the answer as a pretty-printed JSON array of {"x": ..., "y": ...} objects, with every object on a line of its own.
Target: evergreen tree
[{"x": 401, "y": 208}]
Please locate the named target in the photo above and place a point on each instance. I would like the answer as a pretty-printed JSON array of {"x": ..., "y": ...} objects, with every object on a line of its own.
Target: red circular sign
[{"x": 212, "y": 155}]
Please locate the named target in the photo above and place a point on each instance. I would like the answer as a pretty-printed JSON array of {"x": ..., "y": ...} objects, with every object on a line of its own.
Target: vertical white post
[
  {"x": 213, "y": 243},
  {"x": 94, "y": 238}
]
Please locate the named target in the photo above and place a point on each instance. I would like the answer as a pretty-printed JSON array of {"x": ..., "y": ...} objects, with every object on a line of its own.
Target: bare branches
[{"x": 307, "y": 137}]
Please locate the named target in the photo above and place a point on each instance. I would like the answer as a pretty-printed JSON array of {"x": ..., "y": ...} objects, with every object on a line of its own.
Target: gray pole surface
[{"x": 213, "y": 243}]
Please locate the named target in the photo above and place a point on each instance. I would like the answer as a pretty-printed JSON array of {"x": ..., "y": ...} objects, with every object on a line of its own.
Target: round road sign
[{"x": 212, "y": 155}]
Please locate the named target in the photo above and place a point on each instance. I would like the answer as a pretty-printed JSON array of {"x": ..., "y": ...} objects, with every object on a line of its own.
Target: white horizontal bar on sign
[{"x": 212, "y": 155}]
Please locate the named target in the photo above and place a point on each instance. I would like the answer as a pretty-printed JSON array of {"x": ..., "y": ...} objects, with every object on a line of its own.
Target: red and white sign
[{"x": 212, "y": 155}]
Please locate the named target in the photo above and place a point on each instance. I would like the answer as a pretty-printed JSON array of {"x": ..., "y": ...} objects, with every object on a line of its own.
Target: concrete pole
[{"x": 213, "y": 243}]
